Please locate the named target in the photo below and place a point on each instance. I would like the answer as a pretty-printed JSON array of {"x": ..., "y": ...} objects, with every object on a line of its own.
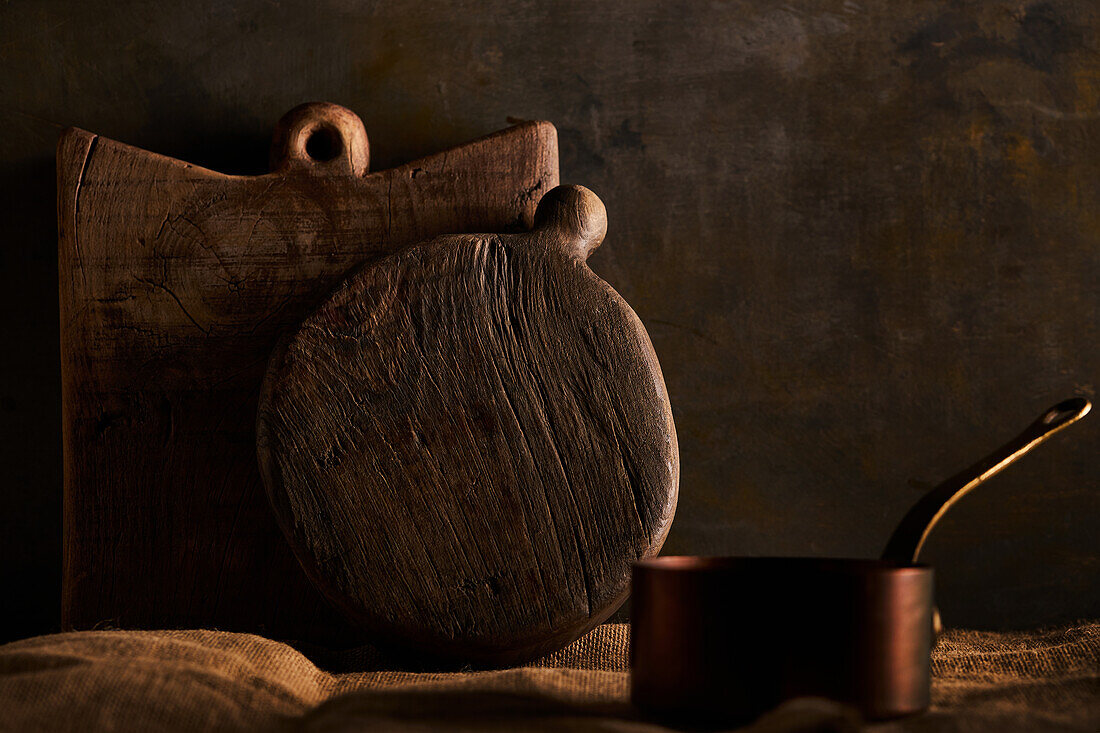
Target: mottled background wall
[{"x": 865, "y": 237}]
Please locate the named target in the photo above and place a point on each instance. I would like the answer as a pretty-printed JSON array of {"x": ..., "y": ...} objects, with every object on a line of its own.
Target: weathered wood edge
[
  {"x": 541, "y": 129},
  {"x": 74, "y": 149}
]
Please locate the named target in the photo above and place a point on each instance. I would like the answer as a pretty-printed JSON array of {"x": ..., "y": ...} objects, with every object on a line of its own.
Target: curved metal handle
[{"x": 908, "y": 539}]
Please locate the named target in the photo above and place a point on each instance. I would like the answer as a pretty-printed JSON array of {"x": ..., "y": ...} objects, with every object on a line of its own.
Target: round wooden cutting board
[{"x": 470, "y": 442}]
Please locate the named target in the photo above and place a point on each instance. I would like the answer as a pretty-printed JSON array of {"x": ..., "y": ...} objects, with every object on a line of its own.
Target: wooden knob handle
[
  {"x": 321, "y": 137},
  {"x": 575, "y": 215}
]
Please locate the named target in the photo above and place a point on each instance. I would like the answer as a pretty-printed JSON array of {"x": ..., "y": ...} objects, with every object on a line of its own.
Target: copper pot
[{"x": 723, "y": 639}]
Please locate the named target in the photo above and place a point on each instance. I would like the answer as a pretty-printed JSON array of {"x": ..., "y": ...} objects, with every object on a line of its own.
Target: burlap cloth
[{"x": 211, "y": 680}]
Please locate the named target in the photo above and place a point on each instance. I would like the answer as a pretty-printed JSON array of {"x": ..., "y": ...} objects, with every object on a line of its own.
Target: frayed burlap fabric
[{"x": 211, "y": 680}]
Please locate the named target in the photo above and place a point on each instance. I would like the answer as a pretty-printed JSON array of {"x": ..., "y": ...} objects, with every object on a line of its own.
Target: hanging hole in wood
[
  {"x": 324, "y": 144},
  {"x": 322, "y": 138}
]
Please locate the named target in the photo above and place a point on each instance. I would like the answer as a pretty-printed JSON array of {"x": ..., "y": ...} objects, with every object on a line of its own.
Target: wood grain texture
[
  {"x": 175, "y": 282},
  {"x": 470, "y": 442},
  {"x": 864, "y": 237}
]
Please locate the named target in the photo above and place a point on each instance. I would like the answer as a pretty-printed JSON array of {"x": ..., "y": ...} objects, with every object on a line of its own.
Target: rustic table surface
[{"x": 190, "y": 680}]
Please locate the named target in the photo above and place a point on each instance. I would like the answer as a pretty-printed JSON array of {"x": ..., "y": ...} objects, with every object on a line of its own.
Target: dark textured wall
[{"x": 865, "y": 237}]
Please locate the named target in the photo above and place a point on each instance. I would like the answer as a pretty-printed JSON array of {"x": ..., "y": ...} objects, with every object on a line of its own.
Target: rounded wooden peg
[
  {"x": 576, "y": 214},
  {"x": 323, "y": 137}
]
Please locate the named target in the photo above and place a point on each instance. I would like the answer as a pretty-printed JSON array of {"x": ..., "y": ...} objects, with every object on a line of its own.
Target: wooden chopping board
[
  {"x": 470, "y": 442},
  {"x": 175, "y": 282}
]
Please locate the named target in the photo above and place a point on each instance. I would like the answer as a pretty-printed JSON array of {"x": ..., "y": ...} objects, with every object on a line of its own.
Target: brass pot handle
[{"x": 908, "y": 539}]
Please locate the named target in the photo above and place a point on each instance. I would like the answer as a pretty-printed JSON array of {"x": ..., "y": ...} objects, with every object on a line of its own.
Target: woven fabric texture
[{"x": 212, "y": 680}]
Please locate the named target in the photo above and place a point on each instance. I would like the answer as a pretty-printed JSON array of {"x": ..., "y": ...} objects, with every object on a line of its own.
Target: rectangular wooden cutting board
[{"x": 175, "y": 283}]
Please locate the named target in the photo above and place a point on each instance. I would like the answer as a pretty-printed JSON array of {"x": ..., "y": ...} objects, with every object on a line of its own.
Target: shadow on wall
[
  {"x": 30, "y": 400},
  {"x": 30, "y": 396}
]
